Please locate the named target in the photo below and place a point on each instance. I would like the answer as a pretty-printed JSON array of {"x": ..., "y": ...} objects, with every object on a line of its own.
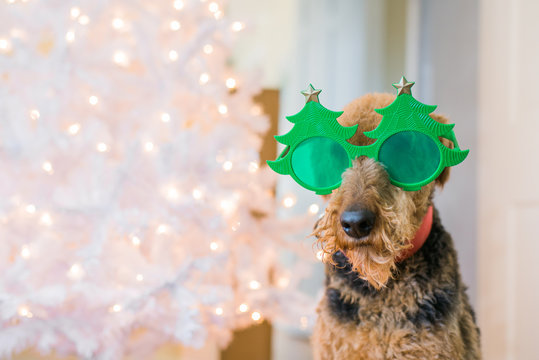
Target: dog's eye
[
  {"x": 409, "y": 156},
  {"x": 319, "y": 162}
]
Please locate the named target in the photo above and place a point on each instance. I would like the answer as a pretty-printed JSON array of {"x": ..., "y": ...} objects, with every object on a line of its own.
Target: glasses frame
[{"x": 332, "y": 130}]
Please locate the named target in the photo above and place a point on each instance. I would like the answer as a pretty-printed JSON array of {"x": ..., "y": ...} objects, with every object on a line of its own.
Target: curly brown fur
[{"x": 375, "y": 306}]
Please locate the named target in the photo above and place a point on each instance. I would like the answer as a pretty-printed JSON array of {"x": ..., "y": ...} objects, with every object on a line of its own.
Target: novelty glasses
[{"x": 408, "y": 144}]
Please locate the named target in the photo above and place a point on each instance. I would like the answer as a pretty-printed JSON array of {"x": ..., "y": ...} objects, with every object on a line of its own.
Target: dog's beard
[
  {"x": 375, "y": 258},
  {"x": 375, "y": 262},
  {"x": 371, "y": 266}
]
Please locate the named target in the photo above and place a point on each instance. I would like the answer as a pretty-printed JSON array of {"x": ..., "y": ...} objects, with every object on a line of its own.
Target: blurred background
[{"x": 475, "y": 59}]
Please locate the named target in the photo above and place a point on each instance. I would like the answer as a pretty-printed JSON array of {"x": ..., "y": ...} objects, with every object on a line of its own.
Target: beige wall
[
  {"x": 508, "y": 173},
  {"x": 267, "y": 43}
]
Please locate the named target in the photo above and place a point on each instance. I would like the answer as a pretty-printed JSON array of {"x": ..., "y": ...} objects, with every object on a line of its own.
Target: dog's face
[{"x": 370, "y": 220}]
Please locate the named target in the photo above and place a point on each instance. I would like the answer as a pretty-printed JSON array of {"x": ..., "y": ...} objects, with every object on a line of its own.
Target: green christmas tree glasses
[{"x": 407, "y": 144}]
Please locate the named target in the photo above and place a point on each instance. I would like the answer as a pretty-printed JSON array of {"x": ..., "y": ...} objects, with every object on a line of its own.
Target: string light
[
  {"x": 256, "y": 316},
  {"x": 120, "y": 58},
  {"x": 230, "y": 83},
  {"x": 214, "y": 246},
  {"x": 118, "y": 23},
  {"x": 139, "y": 277},
  {"x": 70, "y": 36},
  {"x": 93, "y": 100},
  {"x": 314, "y": 208},
  {"x": 204, "y": 78},
  {"x": 84, "y": 20},
  {"x": 213, "y": 7},
  {"x": 235, "y": 226},
  {"x": 24, "y": 312},
  {"x": 175, "y": 25},
  {"x": 173, "y": 193},
  {"x": 289, "y": 201},
  {"x": 218, "y": 14},
  {"x": 34, "y": 114},
  {"x": 228, "y": 206},
  {"x": 5, "y": 45},
  {"x": 30, "y": 208},
  {"x": 173, "y": 55},
  {"x": 46, "y": 219},
  {"x": 161, "y": 229},
  {"x": 223, "y": 109},
  {"x": 135, "y": 240},
  {"x": 25, "y": 252},
  {"x": 102, "y": 147},
  {"x": 75, "y": 272},
  {"x": 47, "y": 167},
  {"x": 149, "y": 146},
  {"x": 253, "y": 167},
  {"x": 320, "y": 255},
  {"x": 243, "y": 308},
  {"x": 219, "y": 311},
  {"x": 75, "y": 12},
  {"x": 238, "y": 26},
  {"x": 227, "y": 165},
  {"x": 73, "y": 129},
  {"x": 178, "y": 4},
  {"x": 208, "y": 49},
  {"x": 165, "y": 117},
  {"x": 197, "y": 194},
  {"x": 116, "y": 308},
  {"x": 254, "y": 285}
]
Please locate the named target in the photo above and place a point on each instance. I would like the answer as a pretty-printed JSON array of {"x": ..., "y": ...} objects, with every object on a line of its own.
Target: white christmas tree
[{"x": 132, "y": 208}]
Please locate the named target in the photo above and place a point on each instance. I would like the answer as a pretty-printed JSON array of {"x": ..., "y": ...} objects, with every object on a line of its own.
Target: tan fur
[{"x": 381, "y": 334}]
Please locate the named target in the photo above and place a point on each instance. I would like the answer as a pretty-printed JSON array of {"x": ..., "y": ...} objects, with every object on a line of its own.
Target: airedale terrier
[{"x": 393, "y": 286}]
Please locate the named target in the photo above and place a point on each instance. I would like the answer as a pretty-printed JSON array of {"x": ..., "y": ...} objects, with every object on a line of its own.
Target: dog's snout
[{"x": 357, "y": 222}]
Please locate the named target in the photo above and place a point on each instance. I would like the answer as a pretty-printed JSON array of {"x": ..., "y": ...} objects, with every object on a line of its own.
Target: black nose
[{"x": 357, "y": 222}]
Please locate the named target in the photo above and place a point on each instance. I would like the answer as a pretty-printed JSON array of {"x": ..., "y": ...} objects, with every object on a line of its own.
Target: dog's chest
[
  {"x": 377, "y": 333},
  {"x": 401, "y": 305},
  {"x": 377, "y": 325},
  {"x": 366, "y": 312}
]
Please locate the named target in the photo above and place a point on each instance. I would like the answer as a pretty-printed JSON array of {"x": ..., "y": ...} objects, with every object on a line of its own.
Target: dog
[{"x": 393, "y": 288}]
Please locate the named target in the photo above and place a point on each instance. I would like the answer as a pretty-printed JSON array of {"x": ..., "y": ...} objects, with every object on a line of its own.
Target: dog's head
[{"x": 370, "y": 220}]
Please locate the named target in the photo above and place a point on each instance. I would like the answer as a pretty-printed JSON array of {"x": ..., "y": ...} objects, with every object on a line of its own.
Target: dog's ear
[{"x": 444, "y": 175}]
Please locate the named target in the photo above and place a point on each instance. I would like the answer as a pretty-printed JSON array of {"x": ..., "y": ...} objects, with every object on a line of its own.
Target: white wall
[
  {"x": 508, "y": 173},
  {"x": 447, "y": 76}
]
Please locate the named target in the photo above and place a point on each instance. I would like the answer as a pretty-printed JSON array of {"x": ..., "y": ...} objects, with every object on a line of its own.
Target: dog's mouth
[
  {"x": 364, "y": 241},
  {"x": 369, "y": 245},
  {"x": 364, "y": 244}
]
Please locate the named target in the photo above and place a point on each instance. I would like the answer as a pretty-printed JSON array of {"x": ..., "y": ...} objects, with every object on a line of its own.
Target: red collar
[{"x": 420, "y": 236}]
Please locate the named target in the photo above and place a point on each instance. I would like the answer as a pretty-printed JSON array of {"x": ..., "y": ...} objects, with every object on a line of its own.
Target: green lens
[
  {"x": 319, "y": 162},
  {"x": 409, "y": 156}
]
